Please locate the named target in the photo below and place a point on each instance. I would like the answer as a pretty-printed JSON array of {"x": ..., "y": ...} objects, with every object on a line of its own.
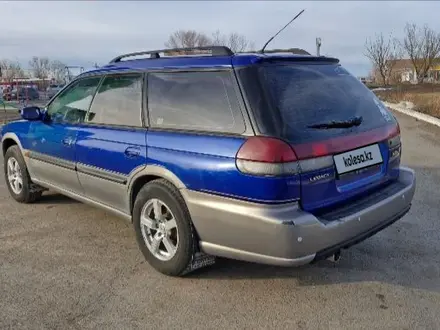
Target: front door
[
  {"x": 53, "y": 141},
  {"x": 111, "y": 144}
]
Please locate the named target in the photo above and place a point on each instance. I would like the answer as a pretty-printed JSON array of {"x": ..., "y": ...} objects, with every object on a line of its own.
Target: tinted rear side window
[
  {"x": 201, "y": 101},
  {"x": 118, "y": 101},
  {"x": 306, "y": 95}
]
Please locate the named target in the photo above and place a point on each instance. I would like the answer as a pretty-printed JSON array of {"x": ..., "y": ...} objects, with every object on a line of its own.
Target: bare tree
[
  {"x": 190, "y": 38},
  {"x": 235, "y": 41},
  {"x": 423, "y": 47},
  {"x": 239, "y": 43},
  {"x": 383, "y": 53},
  {"x": 187, "y": 39},
  {"x": 57, "y": 70},
  {"x": 11, "y": 70},
  {"x": 40, "y": 67},
  {"x": 218, "y": 39}
]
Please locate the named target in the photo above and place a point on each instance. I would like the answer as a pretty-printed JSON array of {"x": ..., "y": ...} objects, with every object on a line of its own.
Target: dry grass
[{"x": 426, "y": 97}]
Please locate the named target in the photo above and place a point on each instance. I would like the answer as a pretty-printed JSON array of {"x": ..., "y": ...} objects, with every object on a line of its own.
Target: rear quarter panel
[{"x": 207, "y": 163}]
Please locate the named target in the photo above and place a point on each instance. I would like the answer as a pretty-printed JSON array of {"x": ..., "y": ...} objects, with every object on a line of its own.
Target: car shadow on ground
[
  {"x": 55, "y": 198},
  {"x": 359, "y": 264}
]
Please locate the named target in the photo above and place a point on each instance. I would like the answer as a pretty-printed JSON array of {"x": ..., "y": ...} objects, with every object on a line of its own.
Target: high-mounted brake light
[{"x": 266, "y": 156}]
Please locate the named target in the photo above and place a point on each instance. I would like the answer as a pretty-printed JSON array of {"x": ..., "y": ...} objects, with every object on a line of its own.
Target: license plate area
[{"x": 357, "y": 159}]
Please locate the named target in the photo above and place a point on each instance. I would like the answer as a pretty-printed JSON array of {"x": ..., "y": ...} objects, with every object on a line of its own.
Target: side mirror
[{"x": 31, "y": 113}]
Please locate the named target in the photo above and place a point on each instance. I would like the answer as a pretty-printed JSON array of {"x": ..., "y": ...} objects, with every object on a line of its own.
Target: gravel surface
[{"x": 65, "y": 265}]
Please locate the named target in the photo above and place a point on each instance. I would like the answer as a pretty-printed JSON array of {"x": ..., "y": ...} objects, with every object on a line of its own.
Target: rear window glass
[{"x": 313, "y": 94}]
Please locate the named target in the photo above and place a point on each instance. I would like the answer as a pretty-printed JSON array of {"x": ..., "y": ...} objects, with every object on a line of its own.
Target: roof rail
[{"x": 215, "y": 51}]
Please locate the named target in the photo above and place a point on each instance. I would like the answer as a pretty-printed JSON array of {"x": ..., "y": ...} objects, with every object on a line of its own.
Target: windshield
[{"x": 307, "y": 95}]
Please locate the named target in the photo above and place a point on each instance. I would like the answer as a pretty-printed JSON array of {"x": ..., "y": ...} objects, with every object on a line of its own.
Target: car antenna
[{"x": 265, "y": 45}]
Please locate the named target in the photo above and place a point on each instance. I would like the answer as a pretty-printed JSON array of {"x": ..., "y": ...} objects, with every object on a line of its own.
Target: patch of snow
[
  {"x": 407, "y": 108},
  {"x": 406, "y": 105},
  {"x": 381, "y": 89}
]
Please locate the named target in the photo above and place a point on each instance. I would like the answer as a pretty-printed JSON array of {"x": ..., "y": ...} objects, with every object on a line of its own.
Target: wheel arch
[
  {"x": 8, "y": 140},
  {"x": 147, "y": 174}
]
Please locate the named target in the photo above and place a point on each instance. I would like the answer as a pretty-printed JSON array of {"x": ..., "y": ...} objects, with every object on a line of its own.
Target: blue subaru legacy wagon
[{"x": 274, "y": 158}]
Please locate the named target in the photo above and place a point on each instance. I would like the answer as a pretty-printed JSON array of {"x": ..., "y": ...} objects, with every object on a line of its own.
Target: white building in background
[{"x": 404, "y": 69}]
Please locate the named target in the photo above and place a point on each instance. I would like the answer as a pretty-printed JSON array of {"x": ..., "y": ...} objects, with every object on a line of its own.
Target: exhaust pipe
[{"x": 335, "y": 257}]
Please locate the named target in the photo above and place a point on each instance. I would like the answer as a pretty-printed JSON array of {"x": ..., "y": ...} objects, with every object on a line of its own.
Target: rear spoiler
[{"x": 299, "y": 58}]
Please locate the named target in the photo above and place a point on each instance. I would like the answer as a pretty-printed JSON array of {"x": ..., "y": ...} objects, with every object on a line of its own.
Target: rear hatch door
[{"x": 338, "y": 128}]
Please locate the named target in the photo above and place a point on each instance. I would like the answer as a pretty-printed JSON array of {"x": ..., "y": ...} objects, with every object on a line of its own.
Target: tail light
[
  {"x": 395, "y": 145},
  {"x": 267, "y": 157}
]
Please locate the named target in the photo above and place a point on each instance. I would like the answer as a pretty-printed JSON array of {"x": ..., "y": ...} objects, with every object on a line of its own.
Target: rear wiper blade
[{"x": 356, "y": 121}]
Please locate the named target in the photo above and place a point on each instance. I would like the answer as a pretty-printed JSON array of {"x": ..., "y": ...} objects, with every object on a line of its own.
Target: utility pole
[
  {"x": 68, "y": 73},
  {"x": 318, "y": 46}
]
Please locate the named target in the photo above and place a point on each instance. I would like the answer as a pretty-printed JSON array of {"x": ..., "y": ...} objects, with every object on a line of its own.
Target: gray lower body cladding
[
  {"x": 286, "y": 235},
  {"x": 328, "y": 252}
]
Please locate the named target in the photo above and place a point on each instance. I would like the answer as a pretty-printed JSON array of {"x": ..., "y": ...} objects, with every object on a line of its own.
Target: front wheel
[
  {"x": 164, "y": 230},
  {"x": 17, "y": 177}
]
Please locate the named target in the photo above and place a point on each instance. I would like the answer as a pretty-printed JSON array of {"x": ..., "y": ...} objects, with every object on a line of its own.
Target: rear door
[
  {"x": 111, "y": 145},
  {"x": 339, "y": 130}
]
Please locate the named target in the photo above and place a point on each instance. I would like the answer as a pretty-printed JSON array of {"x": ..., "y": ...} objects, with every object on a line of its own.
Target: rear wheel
[
  {"x": 164, "y": 230},
  {"x": 17, "y": 177}
]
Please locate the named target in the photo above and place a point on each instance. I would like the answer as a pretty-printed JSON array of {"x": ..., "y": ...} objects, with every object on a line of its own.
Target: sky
[{"x": 84, "y": 32}]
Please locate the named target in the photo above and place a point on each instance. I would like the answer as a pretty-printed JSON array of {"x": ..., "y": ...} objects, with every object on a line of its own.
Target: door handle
[
  {"x": 132, "y": 152},
  {"x": 68, "y": 141}
]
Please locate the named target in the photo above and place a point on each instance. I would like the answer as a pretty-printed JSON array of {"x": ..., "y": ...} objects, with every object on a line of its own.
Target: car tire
[
  {"x": 170, "y": 205},
  {"x": 21, "y": 188}
]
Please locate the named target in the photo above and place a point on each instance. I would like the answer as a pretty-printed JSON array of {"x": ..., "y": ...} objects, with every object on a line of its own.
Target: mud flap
[
  {"x": 199, "y": 260},
  {"x": 34, "y": 188}
]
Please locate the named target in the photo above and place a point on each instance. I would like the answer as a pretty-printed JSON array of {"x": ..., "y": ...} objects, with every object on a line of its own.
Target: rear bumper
[
  {"x": 284, "y": 234},
  {"x": 329, "y": 251}
]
